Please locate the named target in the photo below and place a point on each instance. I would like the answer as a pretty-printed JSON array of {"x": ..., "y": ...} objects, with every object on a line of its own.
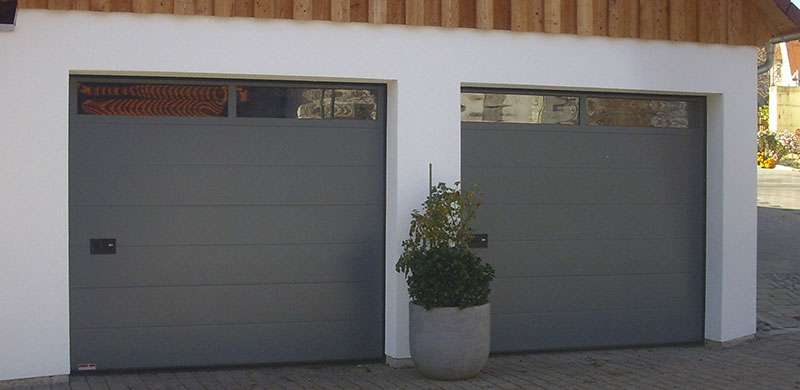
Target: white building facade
[{"x": 424, "y": 70}]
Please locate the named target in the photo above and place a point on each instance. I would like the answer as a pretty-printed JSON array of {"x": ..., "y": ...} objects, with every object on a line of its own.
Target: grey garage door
[
  {"x": 246, "y": 222},
  {"x": 595, "y": 215}
]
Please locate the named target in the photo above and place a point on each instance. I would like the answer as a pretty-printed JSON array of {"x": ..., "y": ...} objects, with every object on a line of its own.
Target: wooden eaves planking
[{"x": 734, "y": 22}]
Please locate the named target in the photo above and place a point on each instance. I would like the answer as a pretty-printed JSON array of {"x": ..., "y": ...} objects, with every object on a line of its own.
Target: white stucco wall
[{"x": 424, "y": 69}]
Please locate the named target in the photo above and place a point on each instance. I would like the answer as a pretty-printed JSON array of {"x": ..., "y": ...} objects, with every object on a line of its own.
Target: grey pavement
[
  {"x": 779, "y": 188},
  {"x": 778, "y": 250},
  {"x": 769, "y": 361}
]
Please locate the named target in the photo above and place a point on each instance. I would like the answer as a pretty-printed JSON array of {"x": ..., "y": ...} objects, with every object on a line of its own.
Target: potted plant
[{"x": 448, "y": 285}]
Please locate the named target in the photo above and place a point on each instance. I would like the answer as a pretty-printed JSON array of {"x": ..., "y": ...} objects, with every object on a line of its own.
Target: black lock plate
[
  {"x": 103, "y": 246},
  {"x": 479, "y": 241}
]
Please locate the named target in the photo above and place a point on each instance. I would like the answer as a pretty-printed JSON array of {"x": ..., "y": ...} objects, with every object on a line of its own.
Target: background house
[
  {"x": 784, "y": 90},
  {"x": 192, "y": 183}
]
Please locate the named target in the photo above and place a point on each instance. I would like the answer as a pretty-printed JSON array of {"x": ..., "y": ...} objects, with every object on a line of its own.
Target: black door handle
[
  {"x": 102, "y": 246},
  {"x": 479, "y": 241}
]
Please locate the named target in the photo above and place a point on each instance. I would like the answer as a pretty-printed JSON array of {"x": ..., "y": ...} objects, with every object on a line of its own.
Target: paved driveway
[
  {"x": 778, "y": 250},
  {"x": 764, "y": 363},
  {"x": 770, "y": 361}
]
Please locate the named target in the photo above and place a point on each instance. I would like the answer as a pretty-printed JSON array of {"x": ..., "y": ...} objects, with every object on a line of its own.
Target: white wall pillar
[
  {"x": 427, "y": 131},
  {"x": 34, "y": 317},
  {"x": 731, "y": 216}
]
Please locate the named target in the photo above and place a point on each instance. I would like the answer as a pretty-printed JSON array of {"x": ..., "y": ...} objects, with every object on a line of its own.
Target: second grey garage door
[
  {"x": 225, "y": 222},
  {"x": 595, "y": 214}
]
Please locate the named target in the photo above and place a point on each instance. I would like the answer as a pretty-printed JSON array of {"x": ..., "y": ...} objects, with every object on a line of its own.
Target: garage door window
[
  {"x": 640, "y": 112},
  {"x": 186, "y": 100},
  {"x": 516, "y": 108},
  {"x": 139, "y": 99},
  {"x": 584, "y": 109},
  {"x": 306, "y": 103}
]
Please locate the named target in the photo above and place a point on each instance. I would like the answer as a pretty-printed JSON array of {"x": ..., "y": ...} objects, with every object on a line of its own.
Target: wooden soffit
[{"x": 734, "y": 22}]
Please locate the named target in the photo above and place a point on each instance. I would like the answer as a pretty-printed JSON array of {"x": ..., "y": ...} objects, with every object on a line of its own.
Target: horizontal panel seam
[
  {"x": 582, "y": 167},
  {"x": 133, "y": 165},
  {"x": 278, "y": 124},
  {"x": 228, "y": 205},
  {"x": 597, "y": 239},
  {"x": 184, "y": 286},
  {"x": 571, "y": 129},
  {"x": 634, "y": 308},
  {"x": 358, "y": 321},
  {"x": 245, "y": 244},
  {"x": 605, "y": 239},
  {"x": 597, "y": 204},
  {"x": 698, "y": 273}
]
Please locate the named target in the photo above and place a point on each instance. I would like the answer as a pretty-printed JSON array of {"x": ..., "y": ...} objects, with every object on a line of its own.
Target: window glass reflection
[
  {"x": 537, "y": 109},
  {"x": 639, "y": 112},
  {"x": 306, "y": 103},
  {"x": 135, "y": 99}
]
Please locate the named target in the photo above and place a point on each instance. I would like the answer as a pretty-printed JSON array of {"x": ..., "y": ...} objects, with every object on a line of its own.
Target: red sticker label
[{"x": 87, "y": 366}]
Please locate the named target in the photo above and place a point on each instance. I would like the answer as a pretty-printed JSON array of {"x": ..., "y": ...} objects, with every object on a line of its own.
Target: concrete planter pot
[{"x": 449, "y": 343}]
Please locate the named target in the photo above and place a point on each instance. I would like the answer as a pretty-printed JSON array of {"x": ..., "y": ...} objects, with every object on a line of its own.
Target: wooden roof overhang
[{"x": 734, "y": 22}]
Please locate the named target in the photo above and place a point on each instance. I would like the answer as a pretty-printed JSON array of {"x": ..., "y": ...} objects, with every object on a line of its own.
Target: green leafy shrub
[
  {"x": 438, "y": 265},
  {"x": 763, "y": 117},
  {"x": 775, "y": 146}
]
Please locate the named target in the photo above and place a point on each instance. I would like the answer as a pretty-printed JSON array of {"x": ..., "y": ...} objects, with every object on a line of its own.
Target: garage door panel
[
  {"x": 548, "y": 331},
  {"x": 594, "y": 257},
  {"x": 572, "y": 129},
  {"x": 132, "y": 143},
  {"x": 538, "y": 149},
  {"x": 597, "y": 233},
  {"x": 587, "y": 293},
  {"x": 223, "y": 185},
  {"x": 238, "y": 240},
  {"x": 217, "y": 225},
  {"x": 562, "y": 222},
  {"x": 226, "y": 344},
  {"x": 216, "y": 305},
  {"x": 571, "y": 185},
  {"x": 225, "y": 264}
]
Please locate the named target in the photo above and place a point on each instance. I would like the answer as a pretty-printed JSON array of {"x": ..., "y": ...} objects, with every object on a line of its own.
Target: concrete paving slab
[{"x": 764, "y": 362}]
